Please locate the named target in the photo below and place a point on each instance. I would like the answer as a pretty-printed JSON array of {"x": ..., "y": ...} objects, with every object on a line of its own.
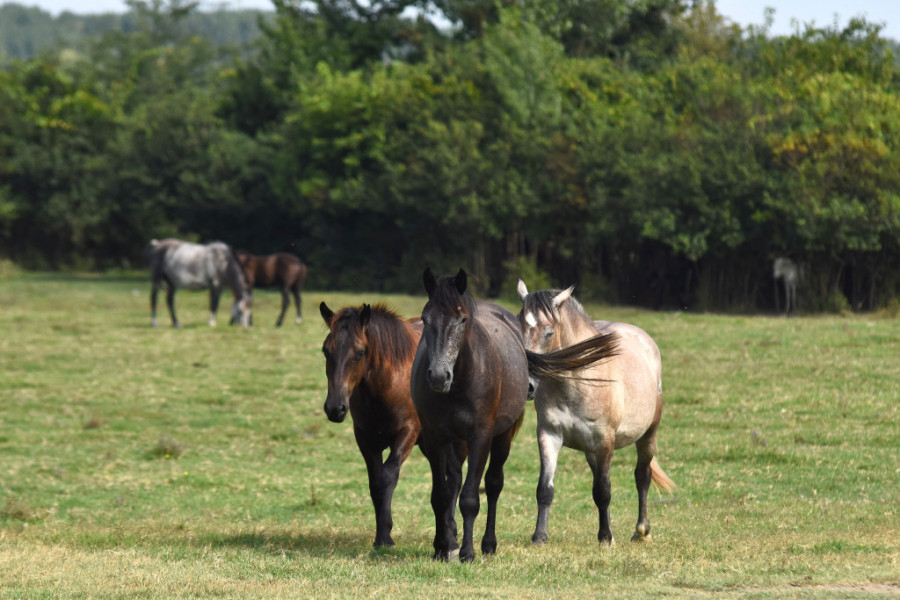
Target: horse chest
[
  {"x": 561, "y": 418},
  {"x": 579, "y": 425}
]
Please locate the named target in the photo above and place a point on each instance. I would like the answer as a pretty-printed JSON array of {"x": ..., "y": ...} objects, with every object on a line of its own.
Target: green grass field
[{"x": 198, "y": 463}]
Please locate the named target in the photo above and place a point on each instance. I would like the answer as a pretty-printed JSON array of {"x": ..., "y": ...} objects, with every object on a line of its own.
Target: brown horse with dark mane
[
  {"x": 470, "y": 382},
  {"x": 282, "y": 271},
  {"x": 368, "y": 356}
]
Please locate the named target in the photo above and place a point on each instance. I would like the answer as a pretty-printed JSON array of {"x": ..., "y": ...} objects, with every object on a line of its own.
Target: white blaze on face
[{"x": 530, "y": 319}]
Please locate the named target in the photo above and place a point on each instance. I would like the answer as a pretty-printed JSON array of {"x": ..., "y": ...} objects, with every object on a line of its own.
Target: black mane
[{"x": 448, "y": 299}]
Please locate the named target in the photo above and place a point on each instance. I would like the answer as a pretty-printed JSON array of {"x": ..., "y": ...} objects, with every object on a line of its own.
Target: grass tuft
[{"x": 167, "y": 447}]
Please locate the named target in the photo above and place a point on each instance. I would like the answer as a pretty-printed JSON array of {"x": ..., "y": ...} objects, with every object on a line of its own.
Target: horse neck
[
  {"x": 574, "y": 326},
  {"x": 237, "y": 279}
]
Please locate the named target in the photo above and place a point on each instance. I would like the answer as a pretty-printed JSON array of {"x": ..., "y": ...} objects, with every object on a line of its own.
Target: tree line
[
  {"x": 28, "y": 31},
  {"x": 646, "y": 150}
]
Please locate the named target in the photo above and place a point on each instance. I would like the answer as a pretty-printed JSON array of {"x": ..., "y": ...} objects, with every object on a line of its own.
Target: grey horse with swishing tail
[
  {"x": 196, "y": 267},
  {"x": 610, "y": 405}
]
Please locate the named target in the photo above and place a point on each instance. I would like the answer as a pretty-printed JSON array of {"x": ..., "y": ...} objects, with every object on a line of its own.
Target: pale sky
[{"x": 743, "y": 12}]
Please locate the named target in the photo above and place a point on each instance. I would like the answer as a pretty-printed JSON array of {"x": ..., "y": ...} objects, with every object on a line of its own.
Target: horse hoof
[
  {"x": 539, "y": 540},
  {"x": 641, "y": 532},
  {"x": 445, "y": 555}
]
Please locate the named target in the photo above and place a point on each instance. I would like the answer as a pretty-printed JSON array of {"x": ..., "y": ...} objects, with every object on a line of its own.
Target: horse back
[
  {"x": 281, "y": 270},
  {"x": 501, "y": 336},
  {"x": 635, "y": 391}
]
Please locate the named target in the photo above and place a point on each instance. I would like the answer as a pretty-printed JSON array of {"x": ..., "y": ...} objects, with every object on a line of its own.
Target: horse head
[
  {"x": 345, "y": 351},
  {"x": 241, "y": 310},
  {"x": 446, "y": 320},
  {"x": 539, "y": 317}
]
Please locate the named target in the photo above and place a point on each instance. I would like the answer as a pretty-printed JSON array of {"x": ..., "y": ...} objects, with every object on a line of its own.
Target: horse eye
[
  {"x": 548, "y": 334},
  {"x": 360, "y": 354}
]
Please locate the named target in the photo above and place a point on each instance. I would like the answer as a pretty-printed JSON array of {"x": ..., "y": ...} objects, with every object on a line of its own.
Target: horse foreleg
[
  {"x": 441, "y": 500},
  {"x": 170, "y": 302},
  {"x": 456, "y": 456},
  {"x": 285, "y": 302},
  {"x": 791, "y": 302},
  {"x": 469, "y": 502},
  {"x": 549, "y": 445},
  {"x": 383, "y": 481},
  {"x": 214, "y": 295},
  {"x": 646, "y": 448},
  {"x": 600, "y": 461},
  {"x": 493, "y": 485}
]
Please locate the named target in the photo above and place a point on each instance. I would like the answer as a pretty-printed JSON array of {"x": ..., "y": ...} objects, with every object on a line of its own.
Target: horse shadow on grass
[{"x": 309, "y": 545}]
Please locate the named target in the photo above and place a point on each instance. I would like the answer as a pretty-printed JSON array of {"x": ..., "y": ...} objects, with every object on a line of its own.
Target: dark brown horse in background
[
  {"x": 368, "y": 356},
  {"x": 282, "y": 271},
  {"x": 470, "y": 381}
]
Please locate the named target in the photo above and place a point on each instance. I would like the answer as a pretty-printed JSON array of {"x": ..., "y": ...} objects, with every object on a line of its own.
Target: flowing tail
[
  {"x": 559, "y": 364},
  {"x": 660, "y": 478}
]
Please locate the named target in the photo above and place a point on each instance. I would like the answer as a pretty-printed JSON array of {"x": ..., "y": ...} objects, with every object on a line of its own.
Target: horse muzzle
[
  {"x": 439, "y": 380},
  {"x": 336, "y": 413}
]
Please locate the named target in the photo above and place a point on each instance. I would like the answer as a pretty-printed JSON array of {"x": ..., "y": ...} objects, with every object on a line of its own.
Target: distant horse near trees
[
  {"x": 282, "y": 271},
  {"x": 175, "y": 263},
  {"x": 789, "y": 273}
]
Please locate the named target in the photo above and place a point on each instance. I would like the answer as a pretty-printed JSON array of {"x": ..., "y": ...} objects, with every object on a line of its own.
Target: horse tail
[
  {"x": 517, "y": 426},
  {"x": 660, "y": 478},
  {"x": 560, "y": 363}
]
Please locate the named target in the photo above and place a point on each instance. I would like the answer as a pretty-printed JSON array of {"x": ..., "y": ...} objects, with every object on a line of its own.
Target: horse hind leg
[
  {"x": 296, "y": 294},
  {"x": 285, "y": 302},
  {"x": 493, "y": 484},
  {"x": 170, "y": 302},
  {"x": 599, "y": 462},
  {"x": 154, "y": 291},
  {"x": 646, "y": 448}
]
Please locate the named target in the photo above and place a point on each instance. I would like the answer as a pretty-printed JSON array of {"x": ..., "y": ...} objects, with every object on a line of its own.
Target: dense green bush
[{"x": 655, "y": 161}]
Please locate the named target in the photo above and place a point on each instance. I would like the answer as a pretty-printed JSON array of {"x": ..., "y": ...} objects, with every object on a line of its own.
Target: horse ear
[
  {"x": 364, "y": 315},
  {"x": 430, "y": 283},
  {"x": 523, "y": 290},
  {"x": 563, "y": 296},
  {"x": 460, "y": 281},
  {"x": 327, "y": 313}
]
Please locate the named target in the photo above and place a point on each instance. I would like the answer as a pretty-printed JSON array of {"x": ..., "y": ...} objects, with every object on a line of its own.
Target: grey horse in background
[
  {"x": 179, "y": 264},
  {"x": 790, "y": 273}
]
